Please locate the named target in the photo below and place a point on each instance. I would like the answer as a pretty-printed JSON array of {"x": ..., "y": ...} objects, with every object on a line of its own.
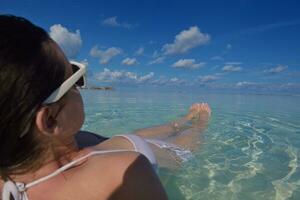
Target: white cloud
[
  {"x": 175, "y": 81},
  {"x": 157, "y": 60},
  {"x": 220, "y": 74},
  {"x": 125, "y": 77},
  {"x": 85, "y": 62},
  {"x": 186, "y": 40},
  {"x": 277, "y": 69},
  {"x": 155, "y": 54},
  {"x": 105, "y": 55},
  {"x": 289, "y": 86},
  {"x": 256, "y": 86},
  {"x": 140, "y": 51},
  {"x": 245, "y": 84},
  {"x": 68, "y": 41},
  {"x": 217, "y": 58},
  {"x": 129, "y": 61},
  {"x": 231, "y": 68},
  {"x": 294, "y": 74},
  {"x": 122, "y": 76},
  {"x": 233, "y": 63},
  {"x": 113, "y": 22},
  {"x": 188, "y": 63},
  {"x": 160, "y": 81},
  {"x": 145, "y": 78},
  {"x": 228, "y": 46},
  {"x": 268, "y": 27},
  {"x": 112, "y": 76},
  {"x": 89, "y": 72},
  {"x": 208, "y": 78}
]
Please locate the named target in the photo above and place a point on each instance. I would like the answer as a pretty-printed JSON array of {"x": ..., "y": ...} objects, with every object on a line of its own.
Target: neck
[{"x": 56, "y": 155}]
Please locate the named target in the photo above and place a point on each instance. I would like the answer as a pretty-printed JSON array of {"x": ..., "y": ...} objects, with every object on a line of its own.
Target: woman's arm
[{"x": 165, "y": 130}]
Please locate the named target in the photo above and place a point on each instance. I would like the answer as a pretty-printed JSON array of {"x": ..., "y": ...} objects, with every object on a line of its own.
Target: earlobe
[{"x": 45, "y": 122}]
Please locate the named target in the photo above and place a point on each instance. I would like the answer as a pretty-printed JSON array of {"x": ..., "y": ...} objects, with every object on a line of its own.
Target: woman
[{"x": 41, "y": 112}]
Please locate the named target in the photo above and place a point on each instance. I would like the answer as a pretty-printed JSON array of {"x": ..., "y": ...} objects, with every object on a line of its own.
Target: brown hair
[{"x": 30, "y": 70}]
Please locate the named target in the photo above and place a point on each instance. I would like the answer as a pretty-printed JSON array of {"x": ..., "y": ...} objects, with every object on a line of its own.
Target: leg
[
  {"x": 190, "y": 138},
  {"x": 172, "y": 151},
  {"x": 173, "y": 128}
]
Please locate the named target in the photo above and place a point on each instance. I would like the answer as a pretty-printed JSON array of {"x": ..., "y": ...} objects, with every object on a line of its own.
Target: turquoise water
[{"x": 249, "y": 151}]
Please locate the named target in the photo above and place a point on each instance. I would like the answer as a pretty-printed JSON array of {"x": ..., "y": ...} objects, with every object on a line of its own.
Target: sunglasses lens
[{"x": 80, "y": 82}]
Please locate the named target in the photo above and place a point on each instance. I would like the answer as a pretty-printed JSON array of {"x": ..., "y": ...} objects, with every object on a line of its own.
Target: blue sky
[{"x": 238, "y": 45}]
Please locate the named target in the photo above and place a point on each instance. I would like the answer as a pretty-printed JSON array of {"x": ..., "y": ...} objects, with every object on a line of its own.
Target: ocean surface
[{"x": 250, "y": 149}]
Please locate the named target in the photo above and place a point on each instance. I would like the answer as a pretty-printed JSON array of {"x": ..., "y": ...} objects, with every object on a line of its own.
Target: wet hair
[{"x": 30, "y": 70}]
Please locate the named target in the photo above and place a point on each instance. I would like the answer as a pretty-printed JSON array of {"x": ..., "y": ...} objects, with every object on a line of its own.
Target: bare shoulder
[
  {"x": 114, "y": 163},
  {"x": 123, "y": 175}
]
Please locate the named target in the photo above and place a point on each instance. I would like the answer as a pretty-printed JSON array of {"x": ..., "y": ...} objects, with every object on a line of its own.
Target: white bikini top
[{"x": 18, "y": 190}]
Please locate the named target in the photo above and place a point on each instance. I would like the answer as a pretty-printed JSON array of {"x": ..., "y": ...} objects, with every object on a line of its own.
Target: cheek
[
  {"x": 74, "y": 115},
  {"x": 80, "y": 110},
  {"x": 77, "y": 109}
]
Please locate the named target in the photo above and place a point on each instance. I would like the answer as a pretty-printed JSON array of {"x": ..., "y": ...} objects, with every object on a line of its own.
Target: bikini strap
[{"x": 18, "y": 190}]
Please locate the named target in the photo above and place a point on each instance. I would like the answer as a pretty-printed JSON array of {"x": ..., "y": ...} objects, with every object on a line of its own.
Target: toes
[
  {"x": 193, "y": 107},
  {"x": 205, "y": 107},
  {"x": 198, "y": 107}
]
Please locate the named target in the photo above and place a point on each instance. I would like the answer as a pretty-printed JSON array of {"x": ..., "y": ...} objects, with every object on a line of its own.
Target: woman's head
[{"x": 31, "y": 67}]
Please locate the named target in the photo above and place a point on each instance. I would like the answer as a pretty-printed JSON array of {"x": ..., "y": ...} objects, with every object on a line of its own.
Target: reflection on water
[{"x": 250, "y": 149}]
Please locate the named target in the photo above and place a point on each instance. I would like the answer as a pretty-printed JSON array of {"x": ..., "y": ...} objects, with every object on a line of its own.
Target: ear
[{"x": 45, "y": 121}]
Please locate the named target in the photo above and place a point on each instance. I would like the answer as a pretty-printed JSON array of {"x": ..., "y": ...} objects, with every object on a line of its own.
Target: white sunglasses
[{"x": 77, "y": 79}]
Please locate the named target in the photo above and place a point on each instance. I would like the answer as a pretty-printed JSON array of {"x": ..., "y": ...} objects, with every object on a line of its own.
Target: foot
[
  {"x": 197, "y": 117},
  {"x": 199, "y": 114}
]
